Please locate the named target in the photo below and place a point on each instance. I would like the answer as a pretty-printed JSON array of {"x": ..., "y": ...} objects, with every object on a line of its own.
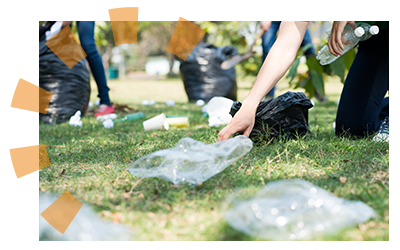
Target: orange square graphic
[
  {"x": 27, "y": 160},
  {"x": 124, "y": 14},
  {"x": 62, "y": 212},
  {"x": 125, "y": 32},
  {"x": 30, "y": 97},
  {"x": 124, "y": 24},
  {"x": 44, "y": 100},
  {"x": 185, "y": 37},
  {"x": 67, "y": 47},
  {"x": 44, "y": 160}
]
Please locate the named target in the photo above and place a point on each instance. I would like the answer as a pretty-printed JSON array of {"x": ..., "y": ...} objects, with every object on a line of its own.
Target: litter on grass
[
  {"x": 86, "y": 226},
  {"x": 75, "y": 120},
  {"x": 294, "y": 210},
  {"x": 170, "y": 102},
  {"x": 102, "y": 118},
  {"x": 191, "y": 161},
  {"x": 108, "y": 123},
  {"x": 285, "y": 116},
  {"x": 218, "y": 111}
]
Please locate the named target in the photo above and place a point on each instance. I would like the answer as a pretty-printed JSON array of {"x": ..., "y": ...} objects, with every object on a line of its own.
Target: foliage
[{"x": 313, "y": 79}]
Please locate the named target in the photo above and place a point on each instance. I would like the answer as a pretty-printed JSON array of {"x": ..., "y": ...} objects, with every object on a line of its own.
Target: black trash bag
[
  {"x": 202, "y": 75},
  {"x": 70, "y": 87},
  {"x": 285, "y": 116}
]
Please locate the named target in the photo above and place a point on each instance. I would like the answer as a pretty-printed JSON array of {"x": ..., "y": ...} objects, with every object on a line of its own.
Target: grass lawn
[{"x": 90, "y": 162}]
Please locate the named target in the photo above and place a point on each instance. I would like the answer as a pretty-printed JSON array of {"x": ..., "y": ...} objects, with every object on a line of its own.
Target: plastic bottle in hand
[
  {"x": 324, "y": 54},
  {"x": 350, "y": 35},
  {"x": 369, "y": 30}
]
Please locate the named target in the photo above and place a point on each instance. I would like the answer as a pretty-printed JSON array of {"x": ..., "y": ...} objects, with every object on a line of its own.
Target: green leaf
[
  {"x": 349, "y": 58},
  {"x": 317, "y": 81},
  {"x": 293, "y": 70},
  {"x": 308, "y": 87},
  {"x": 313, "y": 64},
  {"x": 339, "y": 68}
]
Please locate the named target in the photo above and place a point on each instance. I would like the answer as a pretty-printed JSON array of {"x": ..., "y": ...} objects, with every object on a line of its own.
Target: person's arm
[
  {"x": 278, "y": 61},
  {"x": 265, "y": 25},
  {"x": 65, "y": 23}
]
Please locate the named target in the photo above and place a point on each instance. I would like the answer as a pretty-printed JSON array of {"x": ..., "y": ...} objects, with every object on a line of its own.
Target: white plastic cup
[{"x": 156, "y": 123}]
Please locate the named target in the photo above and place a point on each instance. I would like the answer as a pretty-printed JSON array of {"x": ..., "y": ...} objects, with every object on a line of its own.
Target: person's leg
[
  {"x": 268, "y": 39},
  {"x": 86, "y": 36},
  {"x": 362, "y": 106}
]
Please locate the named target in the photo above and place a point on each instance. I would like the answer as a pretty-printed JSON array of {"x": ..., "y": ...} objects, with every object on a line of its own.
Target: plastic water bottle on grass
[{"x": 352, "y": 36}]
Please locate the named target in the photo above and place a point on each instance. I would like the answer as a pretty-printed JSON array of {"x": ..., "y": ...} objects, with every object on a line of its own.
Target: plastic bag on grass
[
  {"x": 203, "y": 76},
  {"x": 70, "y": 87},
  {"x": 191, "y": 161},
  {"x": 86, "y": 226},
  {"x": 285, "y": 116},
  {"x": 294, "y": 210}
]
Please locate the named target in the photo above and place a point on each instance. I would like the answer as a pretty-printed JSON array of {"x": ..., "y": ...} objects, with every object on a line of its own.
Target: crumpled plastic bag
[
  {"x": 75, "y": 120},
  {"x": 218, "y": 111},
  {"x": 191, "y": 161},
  {"x": 285, "y": 116},
  {"x": 294, "y": 210},
  {"x": 86, "y": 226},
  {"x": 108, "y": 123}
]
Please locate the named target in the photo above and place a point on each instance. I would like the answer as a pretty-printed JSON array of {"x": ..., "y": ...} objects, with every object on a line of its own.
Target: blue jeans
[
  {"x": 269, "y": 37},
  {"x": 362, "y": 105},
  {"x": 86, "y": 36}
]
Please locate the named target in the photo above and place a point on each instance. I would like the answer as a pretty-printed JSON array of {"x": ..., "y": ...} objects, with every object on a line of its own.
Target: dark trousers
[
  {"x": 362, "y": 105},
  {"x": 86, "y": 36}
]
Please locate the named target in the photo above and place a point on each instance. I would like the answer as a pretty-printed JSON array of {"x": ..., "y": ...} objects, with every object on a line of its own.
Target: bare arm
[{"x": 278, "y": 61}]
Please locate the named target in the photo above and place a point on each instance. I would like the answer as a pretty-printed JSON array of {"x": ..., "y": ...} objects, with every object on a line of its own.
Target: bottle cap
[
  {"x": 359, "y": 32},
  {"x": 374, "y": 30}
]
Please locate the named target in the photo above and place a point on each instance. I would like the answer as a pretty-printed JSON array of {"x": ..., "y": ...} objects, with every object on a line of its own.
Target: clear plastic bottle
[
  {"x": 369, "y": 30},
  {"x": 324, "y": 54},
  {"x": 352, "y": 37}
]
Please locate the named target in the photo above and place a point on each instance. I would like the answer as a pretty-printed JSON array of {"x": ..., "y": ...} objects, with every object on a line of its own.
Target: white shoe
[{"x": 383, "y": 132}]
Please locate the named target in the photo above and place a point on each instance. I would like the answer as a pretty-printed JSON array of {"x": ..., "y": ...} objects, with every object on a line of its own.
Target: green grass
[{"x": 90, "y": 162}]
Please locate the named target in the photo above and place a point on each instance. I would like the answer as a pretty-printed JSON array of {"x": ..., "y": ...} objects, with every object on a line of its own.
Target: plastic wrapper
[
  {"x": 75, "y": 120},
  {"x": 191, "y": 161},
  {"x": 70, "y": 87},
  {"x": 218, "y": 111},
  {"x": 203, "y": 76},
  {"x": 86, "y": 226},
  {"x": 285, "y": 116},
  {"x": 293, "y": 210}
]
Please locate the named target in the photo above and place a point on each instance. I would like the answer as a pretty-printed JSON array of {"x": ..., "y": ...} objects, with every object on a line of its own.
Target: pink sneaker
[{"x": 104, "y": 109}]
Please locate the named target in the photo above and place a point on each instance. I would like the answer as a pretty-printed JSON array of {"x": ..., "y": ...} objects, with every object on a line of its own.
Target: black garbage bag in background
[
  {"x": 202, "y": 75},
  {"x": 70, "y": 87},
  {"x": 285, "y": 116}
]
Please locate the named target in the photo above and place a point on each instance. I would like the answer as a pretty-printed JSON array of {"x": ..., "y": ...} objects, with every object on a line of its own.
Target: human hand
[
  {"x": 242, "y": 121},
  {"x": 335, "y": 43}
]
